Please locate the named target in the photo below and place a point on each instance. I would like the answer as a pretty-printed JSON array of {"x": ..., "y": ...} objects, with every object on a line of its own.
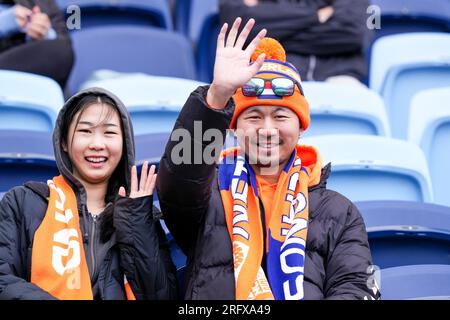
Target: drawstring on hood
[{"x": 65, "y": 165}]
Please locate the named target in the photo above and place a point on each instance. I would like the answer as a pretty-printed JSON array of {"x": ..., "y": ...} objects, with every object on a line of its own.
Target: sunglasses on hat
[{"x": 282, "y": 87}]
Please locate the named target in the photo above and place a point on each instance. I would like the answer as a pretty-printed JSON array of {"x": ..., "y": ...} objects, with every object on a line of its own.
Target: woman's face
[{"x": 95, "y": 143}]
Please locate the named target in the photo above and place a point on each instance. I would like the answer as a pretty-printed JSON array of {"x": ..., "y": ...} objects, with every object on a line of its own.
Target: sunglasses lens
[
  {"x": 283, "y": 87},
  {"x": 253, "y": 88}
]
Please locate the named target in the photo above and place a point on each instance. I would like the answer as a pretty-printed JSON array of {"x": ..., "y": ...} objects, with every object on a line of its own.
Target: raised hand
[
  {"x": 22, "y": 14},
  {"x": 232, "y": 69},
  {"x": 145, "y": 186}
]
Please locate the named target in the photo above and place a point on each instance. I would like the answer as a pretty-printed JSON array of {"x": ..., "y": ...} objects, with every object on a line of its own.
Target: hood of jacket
[{"x": 64, "y": 164}]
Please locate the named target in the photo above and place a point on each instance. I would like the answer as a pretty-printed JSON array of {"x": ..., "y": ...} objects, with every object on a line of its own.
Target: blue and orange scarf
[{"x": 287, "y": 228}]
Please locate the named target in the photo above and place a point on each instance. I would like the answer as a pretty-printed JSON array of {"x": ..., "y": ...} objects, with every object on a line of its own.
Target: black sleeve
[
  {"x": 184, "y": 189},
  {"x": 13, "y": 266},
  {"x": 282, "y": 19},
  {"x": 144, "y": 249},
  {"x": 348, "y": 266},
  {"x": 345, "y": 32}
]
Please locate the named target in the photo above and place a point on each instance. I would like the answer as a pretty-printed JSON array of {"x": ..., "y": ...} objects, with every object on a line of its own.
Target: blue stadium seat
[
  {"x": 150, "y": 147},
  {"x": 406, "y": 232},
  {"x": 374, "y": 168},
  {"x": 94, "y": 13},
  {"x": 25, "y": 156},
  {"x": 404, "y": 64},
  {"x": 402, "y": 16},
  {"x": 130, "y": 49},
  {"x": 337, "y": 109},
  {"x": 429, "y": 127},
  {"x": 34, "y": 108},
  {"x": 153, "y": 102},
  {"x": 416, "y": 282},
  {"x": 199, "y": 20}
]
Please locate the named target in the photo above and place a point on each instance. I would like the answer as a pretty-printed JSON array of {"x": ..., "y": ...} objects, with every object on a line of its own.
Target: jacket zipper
[{"x": 92, "y": 244}]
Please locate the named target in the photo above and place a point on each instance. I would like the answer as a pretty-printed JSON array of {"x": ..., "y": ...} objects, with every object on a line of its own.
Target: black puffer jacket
[
  {"x": 337, "y": 249},
  {"x": 127, "y": 238}
]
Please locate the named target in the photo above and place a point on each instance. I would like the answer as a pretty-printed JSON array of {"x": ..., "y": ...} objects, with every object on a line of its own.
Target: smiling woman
[{"x": 87, "y": 227}]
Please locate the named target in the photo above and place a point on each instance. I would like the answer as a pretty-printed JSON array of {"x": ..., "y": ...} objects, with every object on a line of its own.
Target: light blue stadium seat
[
  {"x": 154, "y": 13},
  {"x": 153, "y": 102},
  {"x": 25, "y": 156},
  {"x": 416, "y": 282},
  {"x": 28, "y": 101},
  {"x": 199, "y": 20},
  {"x": 337, "y": 109},
  {"x": 130, "y": 49},
  {"x": 407, "y": 232},
  {"x": 374, "y": 168},
  {"x": 402, "y": 16},
  {"x": 429, "y": 127},
  {"x": 404, "y": 64}
]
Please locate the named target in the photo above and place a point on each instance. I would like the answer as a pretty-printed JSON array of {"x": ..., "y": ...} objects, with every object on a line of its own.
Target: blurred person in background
[
  {"x": 34, "y": 38},
  {"x": 324, "y": 39}
]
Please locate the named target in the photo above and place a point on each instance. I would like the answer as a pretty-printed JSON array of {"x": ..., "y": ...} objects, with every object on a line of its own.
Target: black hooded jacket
[
  {"x": 337, "y": 256},
  {"x": 126, "y": 239}
]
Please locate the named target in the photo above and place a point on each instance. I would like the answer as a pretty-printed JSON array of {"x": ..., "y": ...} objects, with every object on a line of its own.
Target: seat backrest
[
  {"x": 154, "y": 13},
  {"x": 408, "y": 48},
  {"x": 28, "y": 101},
  {"x": 337, "y": 109},
  {"x": 130, "y": 49},
  {"x": 429, "y": 127},
  {"x": 374, "y": 168},
  {"x": 400, "y": 16},
  {"x": 415, "y": 281},
  {"x": 404, "y": 213},
  {"x": 154, "y": 102}
]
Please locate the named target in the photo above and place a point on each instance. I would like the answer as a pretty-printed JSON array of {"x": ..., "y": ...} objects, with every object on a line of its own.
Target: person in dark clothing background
[
  {"x": 34, "y": 38},
  {"x": 261, "y": 225},
  {"x": 324, "y": 39}
]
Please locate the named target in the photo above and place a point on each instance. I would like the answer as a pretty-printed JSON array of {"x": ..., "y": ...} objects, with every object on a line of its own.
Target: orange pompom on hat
[{"x": 274, "y": 66}]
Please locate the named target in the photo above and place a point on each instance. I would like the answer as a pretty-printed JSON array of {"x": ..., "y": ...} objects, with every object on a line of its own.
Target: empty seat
[
  {"x": 429, "y": 127},
  {"x": 404, "y": 64},
  {"x": 406, "y": 232},
  {"x": 130, "y": 49},
  {"x": 28, "y": 101},
  {"x": 374, "y": 168},
  {"x": 153, "y": 102},
  {"x": 401, "y": 16},
  {"x": 337, "y": 109},
  {"x": 121, "y": 12},
  {"x": 25, "y": 156},
  {"x": 416, "y": 282}
]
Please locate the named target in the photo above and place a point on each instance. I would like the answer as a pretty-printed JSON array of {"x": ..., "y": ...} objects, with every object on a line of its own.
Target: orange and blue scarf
[
  {"x": 58, "y": 261},
  {"x": 287, "y": 228}
]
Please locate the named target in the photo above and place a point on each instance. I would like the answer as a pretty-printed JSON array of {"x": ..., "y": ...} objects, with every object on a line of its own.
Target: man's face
[{"x": 268, "y": 134}]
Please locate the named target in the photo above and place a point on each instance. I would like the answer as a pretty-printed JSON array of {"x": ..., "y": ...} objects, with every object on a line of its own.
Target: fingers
[
  {"x": 134, "y": 180},
  {"x": 255, "y": 42},
  {"x": 150, "y": 181},
  {"x": 231, "y": 39},
  {"x": 258, "y": 63},
  {"x": 122, "y": 192},
  {"x": 221, "y": 36},
  {"x": 244, "y": 34},
  {"x": 143, "y": 181}
]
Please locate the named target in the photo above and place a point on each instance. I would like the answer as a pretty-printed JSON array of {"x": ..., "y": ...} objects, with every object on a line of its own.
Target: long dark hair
[{"x": 117, "y": 179}]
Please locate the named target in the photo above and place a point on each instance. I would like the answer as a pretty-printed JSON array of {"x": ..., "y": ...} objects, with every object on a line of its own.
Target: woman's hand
[
  {"x": 145, "y": 186},
  {"x": 232, "y": 68}
]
